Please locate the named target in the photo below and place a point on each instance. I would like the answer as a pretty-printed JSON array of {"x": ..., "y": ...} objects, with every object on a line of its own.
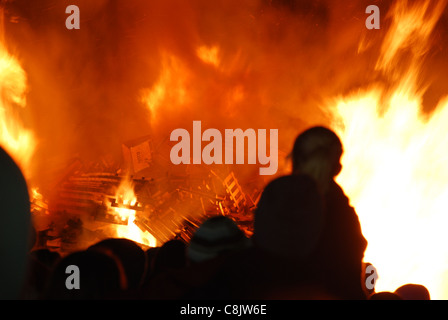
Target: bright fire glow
[
  {"x": 208, "y": 55},
  {"x": 170, "y": 89},
  {"x": 395, "y": 161},
  {"x": 126, "y": 197},
  {"x": 18, "y": 141}
]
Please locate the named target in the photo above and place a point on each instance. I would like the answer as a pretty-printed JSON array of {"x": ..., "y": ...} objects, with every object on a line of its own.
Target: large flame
[
  {"x": 170, "y": 89},
  {"x": 126, "y": 200},
  {"x": 395, "y": 160},
  {"x": 267, "y": 65},
  {"x": 14, "y": 137}
]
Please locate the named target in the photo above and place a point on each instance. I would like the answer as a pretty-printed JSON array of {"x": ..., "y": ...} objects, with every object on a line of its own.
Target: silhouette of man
[
  {"x": 280, "y": 262},
  {"x": 317, "y": 153}
]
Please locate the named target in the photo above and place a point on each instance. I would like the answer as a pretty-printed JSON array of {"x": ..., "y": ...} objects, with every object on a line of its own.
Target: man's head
[{"x": 317, "y": 152}]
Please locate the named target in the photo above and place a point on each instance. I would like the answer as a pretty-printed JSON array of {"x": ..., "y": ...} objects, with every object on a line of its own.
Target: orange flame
[
  {"x": 396, "y": 176},
  {"x": 170, "y": 89},
  {"x": 14, "y": 137},
  {"x": 208, "y": 55},
  {"x": 126, "y": 197}
]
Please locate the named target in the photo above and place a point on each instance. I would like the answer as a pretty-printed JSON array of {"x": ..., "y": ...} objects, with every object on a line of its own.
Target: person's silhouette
[
  {"x": 412, "y": 291},
  {"x": 317, "y": 153},
  {"x": 130, "y": 257},
  {"x": 15, "y": 227},
  {"x": 99, "y": 277},
  {"x": 279, "y": 264}
]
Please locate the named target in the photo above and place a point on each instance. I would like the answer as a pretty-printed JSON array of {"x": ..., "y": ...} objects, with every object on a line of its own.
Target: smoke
[{"x": 133, "y": 68}]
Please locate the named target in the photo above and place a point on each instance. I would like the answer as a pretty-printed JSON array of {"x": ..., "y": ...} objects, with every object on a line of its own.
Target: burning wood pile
[{"x": 88, "y": 205}]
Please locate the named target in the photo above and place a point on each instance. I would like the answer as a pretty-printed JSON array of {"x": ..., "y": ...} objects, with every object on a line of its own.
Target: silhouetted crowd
[{"x": 307, "y": 244}]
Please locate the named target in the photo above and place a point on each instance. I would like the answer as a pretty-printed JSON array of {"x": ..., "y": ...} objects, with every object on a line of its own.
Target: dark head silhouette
[
  {"x": 99, "y": 277},
  {"x": 130, "y": 255},
  {"x": 385, "y": 295},
  {"x": 171, "y": 255},
  {"x": 412, "y": 291},
  {"x": 317, "y": 152},
  {"x": 216, "y": 236}
]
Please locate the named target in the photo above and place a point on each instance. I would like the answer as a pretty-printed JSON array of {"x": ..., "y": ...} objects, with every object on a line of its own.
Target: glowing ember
[
  {"x": 126, "y": 200},
  {"x": 395, "y": 159}
]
